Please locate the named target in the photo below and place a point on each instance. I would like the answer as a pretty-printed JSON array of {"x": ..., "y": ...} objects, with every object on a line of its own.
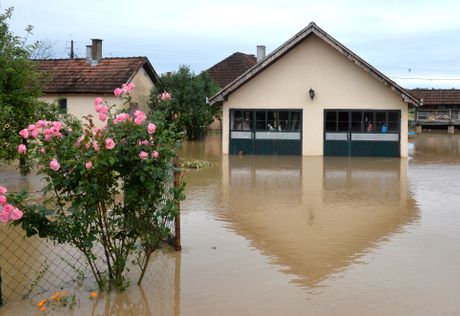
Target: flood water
[{"x": 266, "y": 235}]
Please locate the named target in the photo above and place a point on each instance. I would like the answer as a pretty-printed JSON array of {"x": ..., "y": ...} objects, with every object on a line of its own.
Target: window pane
[
  {"x": 260, "y": 120},
  {"x": 393, "y": 116},
  {"x": 380, "y": 121},
  {"x": 331, "y": 126},
  {"x": 295, "y": 121},
  {"x": 343, "y": 126},
  {"x": 356, "y": 118},
  {"x": 236, "y": 120},
  {"x": 343, "y": 116},
  {"x": 247, "y": 121},
  {"x": 283, "y": 120},
  {"x": 368, "y": 121},
  {"x": 393, "y": 126},
  {"x": 272, "y": 123},
  {"x": 331, "y": 116}
]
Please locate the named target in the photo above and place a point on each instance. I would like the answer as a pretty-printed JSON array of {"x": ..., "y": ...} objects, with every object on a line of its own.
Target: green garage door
[
  {"x": 368, "y": 133},
  {"x": 265, "y": 132}
]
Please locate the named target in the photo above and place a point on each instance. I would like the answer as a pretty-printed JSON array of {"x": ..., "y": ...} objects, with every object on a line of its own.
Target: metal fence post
[{"x": 177, "y": 172}]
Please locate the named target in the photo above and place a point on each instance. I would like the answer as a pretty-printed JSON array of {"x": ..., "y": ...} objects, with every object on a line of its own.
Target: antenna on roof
[{"x": 72, "y": 55}]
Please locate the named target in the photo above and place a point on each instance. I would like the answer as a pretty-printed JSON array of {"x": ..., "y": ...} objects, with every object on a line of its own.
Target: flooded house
[
  {"x": 74, "y": 83},
  {"x": 313, "y": 96},
  {"x": 439, "y": 108}
]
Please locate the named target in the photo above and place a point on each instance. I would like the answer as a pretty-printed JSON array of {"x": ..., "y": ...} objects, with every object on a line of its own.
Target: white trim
[
  {"x": 278, "y": 135},
  {"x": 375, "y": 137},
  {"x": 336, "y": 136},
  {"x": 241, "y": 135}
]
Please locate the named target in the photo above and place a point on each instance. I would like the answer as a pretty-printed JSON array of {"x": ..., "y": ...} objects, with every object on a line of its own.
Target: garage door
[
  {"x": 266, "y": 132},
  {"x": 371, "y": 133}
]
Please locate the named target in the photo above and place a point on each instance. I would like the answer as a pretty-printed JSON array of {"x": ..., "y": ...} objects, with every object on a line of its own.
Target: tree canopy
[
  {"x": 188, "y": 104},
  {"x": 20, "y": 87}
]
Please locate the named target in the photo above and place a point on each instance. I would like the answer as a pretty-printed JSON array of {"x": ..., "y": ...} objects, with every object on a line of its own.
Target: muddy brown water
[{"x": 303, "y": 236}]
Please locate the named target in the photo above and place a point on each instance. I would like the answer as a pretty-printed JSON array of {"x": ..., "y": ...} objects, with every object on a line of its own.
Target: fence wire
[{"x": 30, "y": 266}]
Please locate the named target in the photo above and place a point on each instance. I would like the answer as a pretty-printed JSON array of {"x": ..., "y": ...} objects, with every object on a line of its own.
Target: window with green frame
[{"x": 371, "y": 121}]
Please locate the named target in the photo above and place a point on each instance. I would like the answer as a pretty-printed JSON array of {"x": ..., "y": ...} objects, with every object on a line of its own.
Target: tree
[
  {"x": 20, "y": 87},
  {"x": 188, "y": 104}
]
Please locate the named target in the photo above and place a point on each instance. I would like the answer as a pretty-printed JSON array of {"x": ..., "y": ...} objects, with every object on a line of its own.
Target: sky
[{"x": 415, "y": 43}]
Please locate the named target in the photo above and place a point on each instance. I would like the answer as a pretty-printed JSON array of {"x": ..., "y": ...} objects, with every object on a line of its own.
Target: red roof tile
[
  {"x": 78, "y": 76},
  {"x": 437, "y": 96},
  {"x": 231, "y": 68}
]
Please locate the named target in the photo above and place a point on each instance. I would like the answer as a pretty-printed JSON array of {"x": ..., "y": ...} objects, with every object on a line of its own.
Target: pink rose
[
  {"x": 3, "y": 190},
  {"x": 140, "y": 117},
  {"x": 31, "y": 127},
  {"x": 130, "y": 86},
  {"x": 8, "y": 208},
  {"x": 165, "y": 96},
  {"x": 57, "y": 126},
  {"x": 151, "y": 128},
  {"x": 2, "y": 200},
  {"x": 109, "y": 143},
  {"x": 96, "y": 145},
  {"x": 143, "y": 155},
  {"x": 22, "y": 149},
  {"x": 54, "y": 164},
  {"x": 98, "y": 108},
  {"x": 102, "y": 116},
  {"x": 34, "y": 133},
  {"x": 104, "y": 109},
  {"x": 41, "y": 123},
  {"x": 4, "y": 217},
  {"x": 16, "y": 214},
  {"x": 24, "y": 133},
  {"x": 117, "y": 92},
  {"x": 98, "y": 101},
  {"x": 88, "y": 165},
  {"x": 155, "y": 154},
  {"x": 42, "y": 150}
]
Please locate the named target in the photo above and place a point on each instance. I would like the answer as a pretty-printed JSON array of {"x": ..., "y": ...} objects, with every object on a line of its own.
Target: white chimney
[
  {"x": 260, "y": 52},
  {"x": 88, "y": 53}
]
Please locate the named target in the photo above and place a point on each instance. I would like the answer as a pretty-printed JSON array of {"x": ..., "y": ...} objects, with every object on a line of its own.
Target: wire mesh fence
[{"x": 30, "y": 266}]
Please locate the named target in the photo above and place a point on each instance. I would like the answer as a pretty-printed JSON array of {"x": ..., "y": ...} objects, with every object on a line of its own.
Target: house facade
[
  {"x": 312, "y": 96},
  {"x": 75, "y": 83},
  {"x": 439, "y": 108}
]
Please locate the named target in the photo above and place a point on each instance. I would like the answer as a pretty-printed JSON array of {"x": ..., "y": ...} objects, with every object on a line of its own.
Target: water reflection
[
  {"x": 314, "y": 216},
  {"x": 436, "y": 147}
]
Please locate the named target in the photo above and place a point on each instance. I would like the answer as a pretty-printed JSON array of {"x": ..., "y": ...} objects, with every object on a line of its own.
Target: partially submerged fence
[{"x": 33, "y": 265}]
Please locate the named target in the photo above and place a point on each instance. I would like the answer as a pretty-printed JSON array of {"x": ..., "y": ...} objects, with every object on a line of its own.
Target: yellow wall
[
  {"x": 141, "y": 94},
  {"x": 81, "y": 105},
  {"x": 338, "y": 83}
]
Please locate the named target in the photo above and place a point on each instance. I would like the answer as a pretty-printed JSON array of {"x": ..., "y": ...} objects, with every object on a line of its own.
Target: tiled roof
[
  {"x": 231, "y": 68},
  {"x": 437, "y": 96},
  {"x": 78, "y": 76}
]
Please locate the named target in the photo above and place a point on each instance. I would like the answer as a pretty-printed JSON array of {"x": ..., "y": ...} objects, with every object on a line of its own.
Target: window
[
  {"x": 362, "y": 121},
  {"x": 295, "y": 120},
  {"x": 62, "y": 103},
  {"x": 266, "y": 120}
]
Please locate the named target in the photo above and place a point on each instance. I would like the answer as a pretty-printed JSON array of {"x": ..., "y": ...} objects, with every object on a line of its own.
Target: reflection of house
[
  {"x": 313, "y": 96},
  {"x": 438, "y": 107},
  {"x": 74, "y": 83},
  {"x": 315, "y": 216}
]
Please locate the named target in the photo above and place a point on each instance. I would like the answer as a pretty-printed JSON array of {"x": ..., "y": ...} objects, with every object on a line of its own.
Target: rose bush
[{"x": 106, "y": 186}]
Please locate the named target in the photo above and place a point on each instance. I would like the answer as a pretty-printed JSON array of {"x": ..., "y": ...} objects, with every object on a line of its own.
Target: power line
[{"x": 429, "y": 79}]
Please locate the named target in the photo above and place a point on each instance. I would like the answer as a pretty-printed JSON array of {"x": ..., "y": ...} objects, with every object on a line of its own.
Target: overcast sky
[{"x": 416, "y": 40}]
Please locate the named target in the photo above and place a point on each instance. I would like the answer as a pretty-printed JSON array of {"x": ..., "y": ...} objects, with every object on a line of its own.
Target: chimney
[
  {"x": 88, "y": 53},
  {"x": 260, "y": 52},
  {"x": 96, "y": 50}
]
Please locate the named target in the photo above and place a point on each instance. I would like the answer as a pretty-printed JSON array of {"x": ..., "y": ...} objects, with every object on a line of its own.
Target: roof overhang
[{"x": 278, "y": 53}]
